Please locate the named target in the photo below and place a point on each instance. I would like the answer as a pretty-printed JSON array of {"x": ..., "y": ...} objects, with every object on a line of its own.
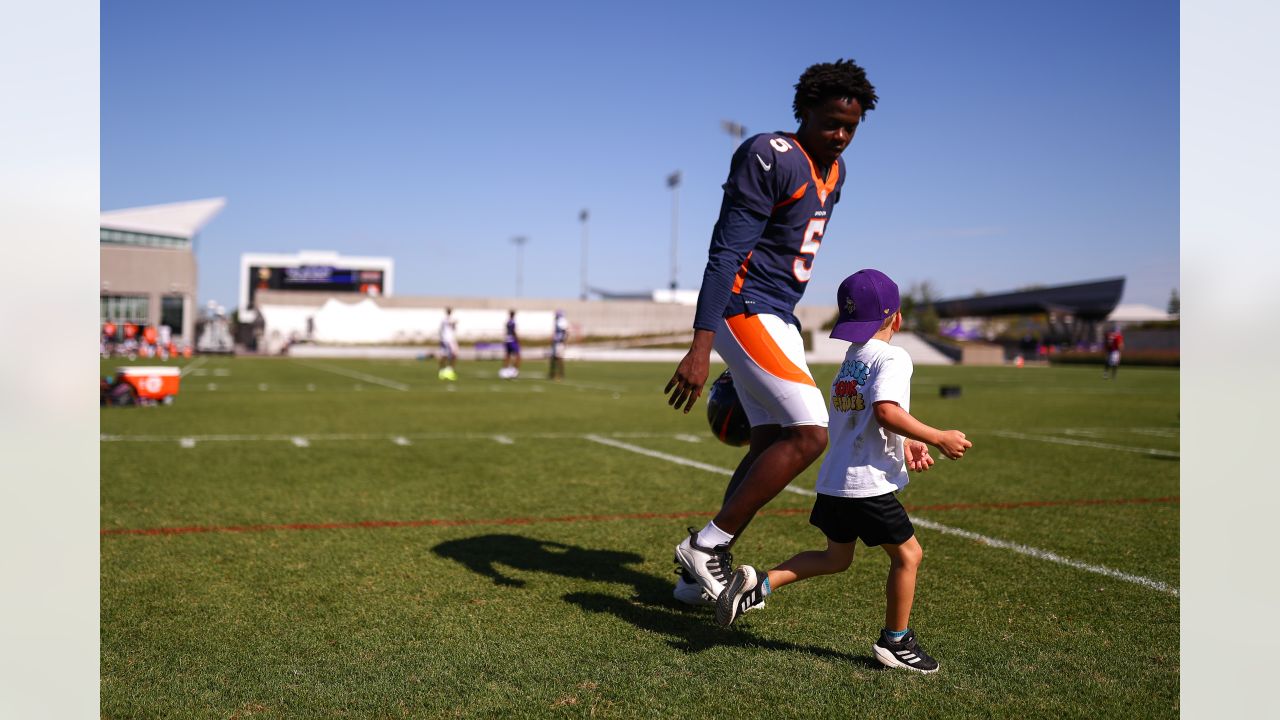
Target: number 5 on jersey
[{"x": 803, "y": 265}]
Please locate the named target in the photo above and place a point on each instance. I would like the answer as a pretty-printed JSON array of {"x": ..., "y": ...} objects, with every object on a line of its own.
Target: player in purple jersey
[
  {"x": 778, "y": 199},
  {"x": 511, "y": 363}
]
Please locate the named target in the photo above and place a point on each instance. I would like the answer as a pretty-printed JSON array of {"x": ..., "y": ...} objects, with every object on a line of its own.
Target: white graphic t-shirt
[{"x": 863, "y": 459}]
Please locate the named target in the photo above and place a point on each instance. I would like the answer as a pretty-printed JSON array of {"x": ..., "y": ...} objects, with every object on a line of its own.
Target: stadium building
[{"x": 147, "y": 264}]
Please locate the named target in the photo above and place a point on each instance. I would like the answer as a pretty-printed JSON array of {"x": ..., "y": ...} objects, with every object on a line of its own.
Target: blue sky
[{"x": 1014, "y": 143}]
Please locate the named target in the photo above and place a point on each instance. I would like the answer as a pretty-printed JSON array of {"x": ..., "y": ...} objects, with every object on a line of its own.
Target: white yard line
[
  {"x": 1084, "y": 443},
  {"x": 1155, "y": 432},
  {"x": 678, "y": 460},
  {"x": 300, "y": 442},
  {"x": 192, "y": 365},
  {"x": 945, "y": 529},
  {"x": 579, "y": 385},
  {"x": 1046, "y": 555},
  {"x": 357, "y": 375},
  {"x": 503, "y": 440}
]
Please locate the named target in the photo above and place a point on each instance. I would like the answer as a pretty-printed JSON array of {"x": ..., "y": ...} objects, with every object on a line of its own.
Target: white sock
[{"x": 711, "y": 536}]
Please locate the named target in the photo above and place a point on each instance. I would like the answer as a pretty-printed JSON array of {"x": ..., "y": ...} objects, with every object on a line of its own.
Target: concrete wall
[
  {"x": 974, "y": 353},
  {"x": 153, "y": 272},
  {"x": 590, "y": 318}
]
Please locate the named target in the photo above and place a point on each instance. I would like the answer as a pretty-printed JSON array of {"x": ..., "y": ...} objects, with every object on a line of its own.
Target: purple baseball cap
[{"x": 865, "y": 299}]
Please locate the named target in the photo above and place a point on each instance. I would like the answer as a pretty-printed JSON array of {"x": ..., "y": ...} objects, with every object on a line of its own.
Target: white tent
[{"x": 1138, "y": 313}]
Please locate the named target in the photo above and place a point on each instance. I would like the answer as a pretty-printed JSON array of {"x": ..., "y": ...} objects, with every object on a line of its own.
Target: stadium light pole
[
  {"x": 673, "y": 182},
  {"x": 736, "y": 132},
  {"x": 583, "y": 217},
  {"x": 519, "y": 241}
]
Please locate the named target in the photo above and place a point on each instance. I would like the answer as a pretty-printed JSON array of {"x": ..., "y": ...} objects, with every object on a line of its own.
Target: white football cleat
[
  {"x": 690, "y": 593},
  {"x": 711, "y": 567}
]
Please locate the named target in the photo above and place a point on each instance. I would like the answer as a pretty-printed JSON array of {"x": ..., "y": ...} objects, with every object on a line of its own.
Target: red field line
[{"x": 369, "y": 524}]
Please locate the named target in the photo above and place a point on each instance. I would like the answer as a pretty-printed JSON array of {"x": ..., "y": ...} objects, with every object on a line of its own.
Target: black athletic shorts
[{"x": 873, "y": 520}]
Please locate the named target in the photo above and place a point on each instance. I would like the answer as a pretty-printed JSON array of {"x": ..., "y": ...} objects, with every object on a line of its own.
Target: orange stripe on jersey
[
  {"x": 824, "y": 188},
  {"x": 754, "y": 338},
  {"x": 794, "y": 196},
  {"x": 741, "y": 277}
]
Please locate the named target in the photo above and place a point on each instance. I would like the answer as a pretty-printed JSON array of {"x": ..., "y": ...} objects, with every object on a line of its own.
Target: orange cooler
[{"x": 152, "y": 383}]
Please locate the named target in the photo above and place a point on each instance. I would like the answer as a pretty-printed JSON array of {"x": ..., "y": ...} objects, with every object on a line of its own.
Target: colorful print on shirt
[{"x": 846, "y": 391}]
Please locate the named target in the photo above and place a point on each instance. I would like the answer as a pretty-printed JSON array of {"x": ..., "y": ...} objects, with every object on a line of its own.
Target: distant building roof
[
  {"x": 180, "y": 219},
  {"x": 1093, "y": 300},
  {"x": 1138, "y": 313}
]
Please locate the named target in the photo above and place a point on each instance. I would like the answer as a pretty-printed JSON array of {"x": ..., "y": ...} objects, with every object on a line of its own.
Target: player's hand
[
  {"x": 918, "y": 457},
  {"x": 952, "y": 444},
  {"x": 691, "y": 374}
]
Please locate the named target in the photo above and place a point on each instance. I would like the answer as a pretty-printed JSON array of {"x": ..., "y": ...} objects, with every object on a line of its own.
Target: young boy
[{"x": 874, "y": 441}]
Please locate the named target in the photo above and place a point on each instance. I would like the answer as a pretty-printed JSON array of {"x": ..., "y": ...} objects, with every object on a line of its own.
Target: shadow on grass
[
  {"x": 694, "y": 633},
  {"x": 651, "y": 608},
  {"x": 484, "y": 553}
]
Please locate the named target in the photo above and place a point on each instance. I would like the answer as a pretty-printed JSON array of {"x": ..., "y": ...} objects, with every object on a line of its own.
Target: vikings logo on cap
[{"x": 865, "y": 299}]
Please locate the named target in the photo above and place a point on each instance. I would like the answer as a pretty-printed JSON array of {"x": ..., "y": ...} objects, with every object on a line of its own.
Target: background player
[
  {"x": 1115, "y": 343},
  {"x": 448, "y": 346},
  {"x": 778, "y": 199},
  {"x": 511, "y": 363},
  {"x": 559, "y": 335}
]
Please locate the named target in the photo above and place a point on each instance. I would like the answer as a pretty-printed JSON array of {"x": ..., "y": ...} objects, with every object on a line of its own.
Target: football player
[
  {"x": 511, "y": 363},
  {"x": 448, "y": 346},
  {"x": 778, "y": 200},
  {"x": 559, "y": 335}
]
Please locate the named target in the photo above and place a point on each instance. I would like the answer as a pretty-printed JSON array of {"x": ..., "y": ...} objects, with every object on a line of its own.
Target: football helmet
[{"x": 725, "y": 414}]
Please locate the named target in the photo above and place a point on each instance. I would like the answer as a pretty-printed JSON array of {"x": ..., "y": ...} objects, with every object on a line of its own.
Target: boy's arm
[{"x": 893, "y": 418}]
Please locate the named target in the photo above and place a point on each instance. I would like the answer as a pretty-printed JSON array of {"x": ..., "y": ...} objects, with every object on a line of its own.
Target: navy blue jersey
[
  {"x": 511, "y": 330},
  {"x": 775, "y": 210}
]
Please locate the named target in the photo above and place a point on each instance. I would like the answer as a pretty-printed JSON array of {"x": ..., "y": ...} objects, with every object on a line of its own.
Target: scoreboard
[{"x": 314, "y": 277}]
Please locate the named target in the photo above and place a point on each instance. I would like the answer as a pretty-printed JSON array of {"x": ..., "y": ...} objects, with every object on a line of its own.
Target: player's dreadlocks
[{"x": 840, "y": 79}]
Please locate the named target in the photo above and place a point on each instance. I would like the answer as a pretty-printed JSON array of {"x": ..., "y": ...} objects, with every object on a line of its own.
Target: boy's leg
[
  {"x": 836, "y": 558},
  {"x": 748, "y": 587},
  {"x": 900, "y": 588},
  {"x": 898, "y": 646}
]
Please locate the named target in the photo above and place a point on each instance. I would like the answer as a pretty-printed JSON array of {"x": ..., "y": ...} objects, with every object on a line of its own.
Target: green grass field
[{"x": 328, "y": 538}]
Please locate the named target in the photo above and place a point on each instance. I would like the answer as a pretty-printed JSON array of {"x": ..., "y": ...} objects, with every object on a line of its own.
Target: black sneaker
[
  {"x": 710, "y": 567},
  {"x": 744, "y": 592},
  {"x": 905, "y": 653}
]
